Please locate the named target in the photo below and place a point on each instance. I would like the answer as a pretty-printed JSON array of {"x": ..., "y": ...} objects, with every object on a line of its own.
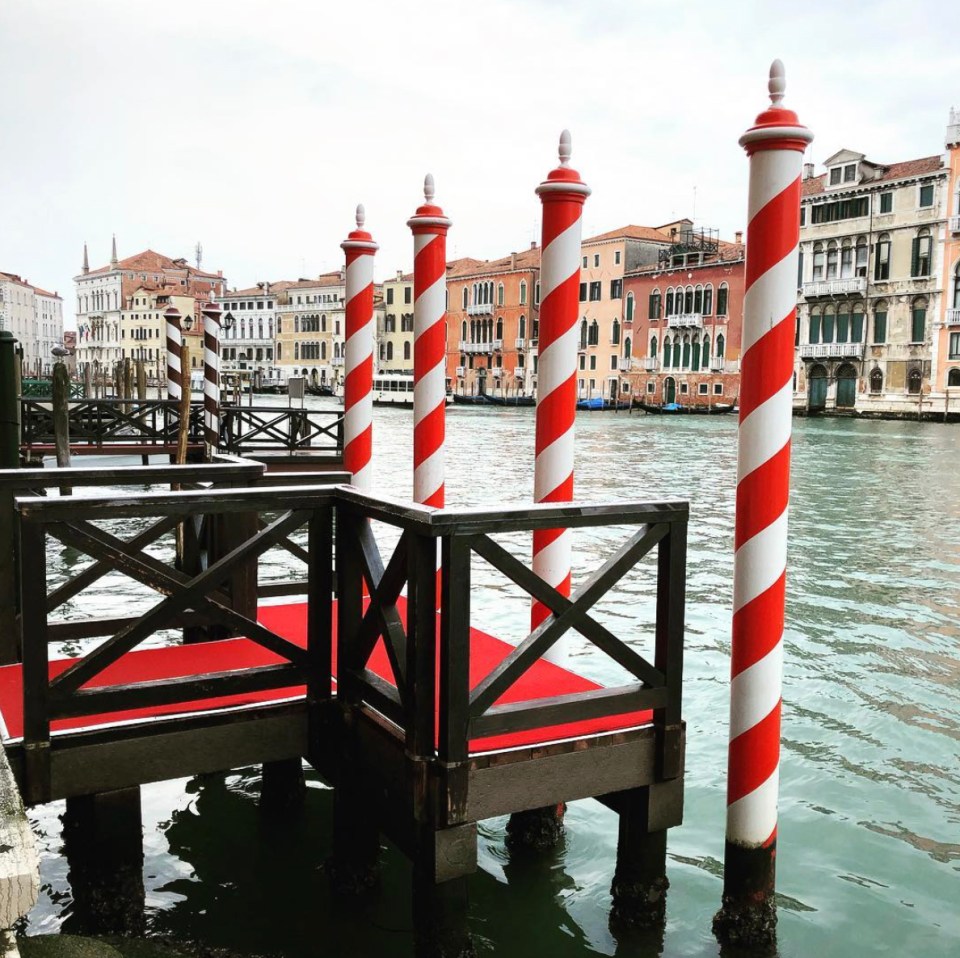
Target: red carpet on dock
[{"x": 543, "y": 680}]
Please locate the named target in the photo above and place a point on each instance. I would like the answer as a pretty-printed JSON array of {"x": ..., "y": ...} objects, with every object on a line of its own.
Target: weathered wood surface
[{"x": 19, "y": 862}]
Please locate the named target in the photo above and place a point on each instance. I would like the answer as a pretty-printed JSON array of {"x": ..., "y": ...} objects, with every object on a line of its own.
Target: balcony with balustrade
[
  {"x": 952, "y": 317},
  {"x": 461, "y": 371},
  {"x": 520, "y": 342},
  {"x": 626, "y": 364},
  {"x": 650, "y": 364},
  {"x": 474, "y": 348},
  {"x": 685, "y": 321},
  {"x": 954, "y": 224},
  {"x": 480, "y": 309},
  {"x": 831, "y": 351},
  {"x": 852, "y": 285}
]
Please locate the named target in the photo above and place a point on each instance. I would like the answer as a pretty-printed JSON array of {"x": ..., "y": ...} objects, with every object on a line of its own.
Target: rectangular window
[
  {"x": 918, "y": 326},
  {"x": 616, "y": 258},
  {"x": 881, "y": 269},
  {"x": 954, "y": 347},
  {"x": 818, "y": 260},
  {"x": 800, "y": 269},
  {"x": 684, "y": 388},
  {"x": 722, "y": 301},
  {"x": 850, "y": 173},
  {"x": 613, "y": 361},
  {"x": 407, "y": 294},
  {"x": 584, "y": 262},
  {"x": 835, "y": 175},
  {"x": 593, "y": 364},
  {"x": 616, "y": 288},
  {"x": 536, "y": 295},
  {"x": 583, "y": 292},
  {"x": 840, "y": 210},
  {"x": 803, "y": 216},
  {"x": 862, "y": 256},
  {"x": 702, "y": 389},
  {"x": 814, "y": 337},
  {"x": 886, "y": 202},
  {"x": 718, "y": 389},
  {"x": 595, "y": 292},
  {"x": 389, "y": 296},
  {"x": 596, "y": 259},
  {"x": 920, "y": 260},
  {"x": 651, "y": 387},
  {"x": 926, "y": 196},
  {"x": 846, "y": 262},
  {"x": 843, "y": 327},
  {"x": 856, "y": 328},
  {"x": 583, "y": 365}
]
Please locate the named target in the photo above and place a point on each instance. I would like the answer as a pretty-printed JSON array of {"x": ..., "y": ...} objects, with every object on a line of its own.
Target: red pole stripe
[
  {"x": 754, "y": 756},
  {"x": 757, "y": 627}
]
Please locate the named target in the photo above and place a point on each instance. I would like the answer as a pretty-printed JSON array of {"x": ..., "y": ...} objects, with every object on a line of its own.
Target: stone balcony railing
[
  {"x": 835, "y": 287},
  {"x": 650, "y": 363},
  {"x": 626, "y": 364},
  {"x": 683, "y": 320},
  {"x": 954, "y": 224},
  {"x": 476, "y": 347},
  {"x": 461, "y": 370},
  {"x": 831, "y": 351},
  {"x": 520, "y": 342},
  {"x": 952, "y": 317},
  {"x": 480, "y": 309}
]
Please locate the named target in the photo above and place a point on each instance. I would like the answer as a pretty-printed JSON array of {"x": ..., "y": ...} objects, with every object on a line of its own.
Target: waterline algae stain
[{"x": 868, "y": 856}]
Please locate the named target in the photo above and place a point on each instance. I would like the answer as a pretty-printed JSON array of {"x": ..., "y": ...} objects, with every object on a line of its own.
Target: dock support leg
[
  {"x": 354, "y": 866},
  {"x": 103, "y": 843},
  {"x": 282, "y": 785},
  {"x": 640, "y": 883},
  {"x": 536, "y": 829},
  {"x": 443, "y": 861}
]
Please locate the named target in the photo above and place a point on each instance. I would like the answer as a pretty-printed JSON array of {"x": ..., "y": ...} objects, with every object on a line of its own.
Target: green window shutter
[
  {"x": 814, "y": 329},
  {"x": 880, "y": 327},
  {"x": 857, "y": 336},
  {"x": 915, "y": 257},
  {"x": 843, "y": 327},
  {"x": 919, "y": 325}
]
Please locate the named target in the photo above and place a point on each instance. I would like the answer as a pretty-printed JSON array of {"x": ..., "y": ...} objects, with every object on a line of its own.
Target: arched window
[
  {"x": 698, "y": 300},
  {"x": 522, "y": 328},
  {"x": 463, "y": 330},
  {"x": 706, "y": 352},
  {"x": 323, "y": 349},
  {"x": 953, "y": 377},
  {"x": 653, "y": 305},
  {"x": 389, "y": 352},
  {"x": 720, "y": 345},
  {"x": 815, "y": 323},
  {"x": 615, "y": 332},
  {"x": 920, "y": 263},
  {"x": 653, "y": 347},
  {"x": 846, "y": 259},
  {"x": 833, "y": 260},
  {"x": 594, "y": 333},
  {"x": 296, "y": 350},
  {"x": 818, "y": 262},
  {"x": 918, "y": 320},
  {"x": 669, "y": 311},
  {"x": 626, "y": 347},
  {"x": 523, "y": 293},
  {"x": 857, "y": 323},
  {"x": 876, "y": 380},
  {"x": 500, "y": 294},
  {"x": 695, "y": 357},
  {"x": 863, "y": 256},
  {"x": 829, "y": 323},
  {"x": 667, "y": 354},
  {"x": 881, "y": 265},
  {"x": 707, "y": 299},
  {"x": 688, "y": 300},
  {"x": 583, "y": 334},
  {"x": 956, "y": 287},
  {"x": 686, "y": 352},
  {"x": 466, "y": 297},
  {"x": 499, "y": 328},
  {"x": 914, "y": 382},
  {"x": 406, "y": 349},
  {"x": 722, "y": 295},
  {"x": 296, "y": 327}
]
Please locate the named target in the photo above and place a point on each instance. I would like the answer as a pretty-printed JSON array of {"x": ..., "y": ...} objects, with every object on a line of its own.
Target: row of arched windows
[
  {"x": 482, "y": 294},
  {"x": 486, "y": 330},
  {"x": 317, "y": 350},
  {"x": 684, "y": 300},
  {"x": 686, "y": 352},
  {"x": 386, "y": 351}
]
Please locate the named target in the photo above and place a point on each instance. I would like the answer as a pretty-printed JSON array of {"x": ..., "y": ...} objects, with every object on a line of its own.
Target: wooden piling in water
[{"x": 61, "y": 419}]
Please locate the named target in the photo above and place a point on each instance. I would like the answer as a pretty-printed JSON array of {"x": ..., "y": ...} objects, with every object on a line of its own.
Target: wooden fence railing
[{"x": 246, "y": 429}]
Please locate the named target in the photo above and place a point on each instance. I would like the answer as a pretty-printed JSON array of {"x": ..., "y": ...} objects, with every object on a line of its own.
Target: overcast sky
[{"x": 256, "y": 126}]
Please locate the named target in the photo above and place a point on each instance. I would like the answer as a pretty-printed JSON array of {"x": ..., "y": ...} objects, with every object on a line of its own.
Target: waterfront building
[
  {"x": 492, "y": 324},
  {"x": 249, "y": 344},
  {"x": 395, "y": 328},
  {"x": 105, "y": 295},
  {"x": 682, "y": 322},
  {"x": 143, "y": 328},
  {"x": 870, "y": 282},
  {"x": 310, "y": 329},
  {"x": 605, "y": 260},
  {"x": 35, "y": 317},
  {"x": 947, "y": 345}
]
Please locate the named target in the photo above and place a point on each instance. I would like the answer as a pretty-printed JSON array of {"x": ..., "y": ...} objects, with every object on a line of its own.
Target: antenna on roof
[{"x": 198, "y": 252}]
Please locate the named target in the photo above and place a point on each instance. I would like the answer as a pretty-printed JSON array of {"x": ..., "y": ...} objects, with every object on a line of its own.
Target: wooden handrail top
[{"x": 231, "y": 468}]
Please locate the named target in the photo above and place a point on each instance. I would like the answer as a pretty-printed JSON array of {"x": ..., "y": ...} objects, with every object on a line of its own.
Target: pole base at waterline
[
  {"x": 748, "y": 912},
  {"x": 440, "y": 914},
  {"x": 537, "y": 829},
  {"x": 282, "y": 786}
]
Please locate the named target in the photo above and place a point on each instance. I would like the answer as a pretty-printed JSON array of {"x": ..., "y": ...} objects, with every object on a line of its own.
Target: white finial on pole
[
  {"x": 566, "y": 148},
  {"x": 361, "y": 216},
  {"x": 429, "y": 190},
  {"x": 777, "y": 84}
]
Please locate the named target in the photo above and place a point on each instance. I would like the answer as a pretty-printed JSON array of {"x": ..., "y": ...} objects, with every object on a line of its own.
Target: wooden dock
[{"x": 372, "y": 668}]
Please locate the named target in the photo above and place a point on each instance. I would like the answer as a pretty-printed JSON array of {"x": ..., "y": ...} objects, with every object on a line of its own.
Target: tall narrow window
[
  {"x": 720, "y": 346},
  {"x": 722, "y": 294},
  {"x": 880, "y": 324},
  {"x": 466, "y": 296},
  {"x": 583, "y": 334},
  {"x": 856, "y": 324},
  {"x": 626, "y": 347},
  {"x": 615, "y": 333},
  {"x": 926, "y": 196},
  {"x": 670, "y": 301},
  {"x": 818, "y": 263},
  {"x": 886, "y": 204},
  {"x": 815, "y": 321},
  {"x": 523, "y": 293},
  {"x": 922, "y": 250},
  {"x": 843, "y": 324},
  {"x": 829, "y": 324},
  {"x": 522, "y": 327},
  {"x": 698, "y": 300},
  {"x": 833, "y": 259},
  {"x": 862, "y": 256},
  {"x": 653, "y": 347},
  {"x": 499, "y": 334},
  {"x": 707, "y": 299},
  {"x": 881, "y": 269},
  {"x": 846, "y": 262},
  {"x": 500, "y": 294},
  {"x": 918, "y": 323}
]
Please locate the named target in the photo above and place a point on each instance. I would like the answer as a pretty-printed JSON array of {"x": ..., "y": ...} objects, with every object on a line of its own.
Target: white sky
[{"x": 256, "y": 126}]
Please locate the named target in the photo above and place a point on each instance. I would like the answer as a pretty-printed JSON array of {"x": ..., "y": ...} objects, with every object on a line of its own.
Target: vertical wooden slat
[
  {"x": 420, "y": 700},
  {"x": 671, "y": 599},
  {"x": 36, "y": 715},
  {"x": 349, "y": 600},
  {"x": 320, "y": 605},
  {"x": 454, "y": 649}
]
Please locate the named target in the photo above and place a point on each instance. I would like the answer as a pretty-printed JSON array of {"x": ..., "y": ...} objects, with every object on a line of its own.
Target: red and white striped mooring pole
[
  {"x": 211, "y": 373},
  {"x": 429, "y": 227},
  {"x": 563, "y": 194},
  {"x": 171, "y": 318},
  {"x": 775, "y": 145},
  {"x": 358, "y": 381}
]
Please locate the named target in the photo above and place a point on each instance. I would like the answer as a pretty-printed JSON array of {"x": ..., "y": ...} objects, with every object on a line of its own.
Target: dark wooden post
[
  {"x": 36, "y": 715},
  {"x": 9, "y": 459},
  {"x": 61, "y": 419},
  {"x": 354, "y": 866},
  {"x": 103, "y": 843}
]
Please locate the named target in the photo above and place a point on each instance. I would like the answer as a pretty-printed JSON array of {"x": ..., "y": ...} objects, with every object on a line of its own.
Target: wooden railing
[
  {"x": 155, "y": 422},
  {"x": 43, "y": 389},
  {"x": 423, "y": 658},
  {"x": 200, "y": 598}
]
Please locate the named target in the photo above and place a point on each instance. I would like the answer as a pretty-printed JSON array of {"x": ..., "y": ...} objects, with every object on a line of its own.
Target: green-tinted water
[{"x": 869, "y": 849}]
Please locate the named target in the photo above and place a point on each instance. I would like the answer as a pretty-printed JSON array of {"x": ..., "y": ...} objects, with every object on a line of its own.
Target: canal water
[{"x": 869, "y": 847}]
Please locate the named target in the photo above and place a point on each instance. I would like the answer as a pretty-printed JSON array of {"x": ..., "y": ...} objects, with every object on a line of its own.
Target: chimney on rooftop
[
  {"x": 86, "y": 259},
  {"x": 807, "y": 171},
  {"x": 399, "y": 275},
  {"x": 533, "y": 244},
  {"x": 513, "y": 261},
  {"x": 738, "y": 237}
]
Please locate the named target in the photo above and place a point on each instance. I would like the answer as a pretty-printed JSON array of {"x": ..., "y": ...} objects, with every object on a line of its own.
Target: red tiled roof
[
  {"x": 649, "y": 233},
  {"x": 43, "y": 292},
  {"x": 467, "y": 267},
  {"x": 277, "y": 287},
  {"x": 13, "y": 278},
  {"x": 891, "y": 171},
  {"x": 151, "y": 261}
]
